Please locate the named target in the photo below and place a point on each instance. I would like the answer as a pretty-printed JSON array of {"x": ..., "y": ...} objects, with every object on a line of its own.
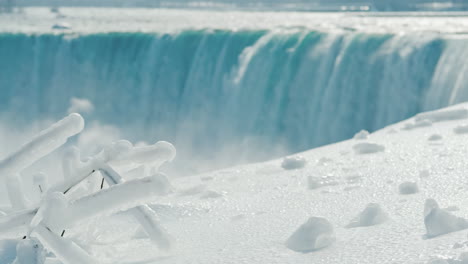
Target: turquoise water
[{"x": 234, "y": 96}]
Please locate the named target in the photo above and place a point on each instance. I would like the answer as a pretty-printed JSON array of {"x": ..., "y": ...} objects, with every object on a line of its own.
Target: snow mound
[
  {"x": 439, "y": 221},
  {"x": 373, "y": 214},
  {"x": 294, "y": 162},
  {"x": 368, "y": 148},
  {"x": 363, "y": 134},
  {"x": 406, "y": 188},
  {"x": 461, "y": 129},
  {"x": 315, "y": 234}
]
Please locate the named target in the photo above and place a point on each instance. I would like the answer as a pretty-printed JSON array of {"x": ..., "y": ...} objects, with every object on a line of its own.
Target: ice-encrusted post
[
  {"x": 60, "y": 209},
  {"x": 47, "y": 141}
]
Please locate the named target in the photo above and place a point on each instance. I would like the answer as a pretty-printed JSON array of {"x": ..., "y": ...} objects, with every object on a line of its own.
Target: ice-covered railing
[{"x": 65, "y": 204}]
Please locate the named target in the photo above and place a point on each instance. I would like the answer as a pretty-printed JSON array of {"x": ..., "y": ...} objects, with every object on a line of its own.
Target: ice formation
[
  {"x": 439, "y": 221},
  {"x": 315, "y": 234},
  {"x": 373, "y": 214},
  {"x": 59, "y": 210}
]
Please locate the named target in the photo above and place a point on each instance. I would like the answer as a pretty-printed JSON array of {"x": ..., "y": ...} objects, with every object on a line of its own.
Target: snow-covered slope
[{"x": 364, "y": 200}]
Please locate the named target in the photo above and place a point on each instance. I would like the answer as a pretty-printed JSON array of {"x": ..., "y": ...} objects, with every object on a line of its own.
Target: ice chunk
[
  {"x": 442, "y": 115},
  {"x": 294, "y": 162},
  {"x": 373, "y": 214},
  {"x": 368, "y": 148},
  {"x": 435, "y": 137},
  {"x": 461, "y": 129},
  {"x": 313, "y": 235},
  {"x": 41, "y": 145},
  {"x": 439, "y": 221},
  {"x": 363, "y": 134},
  {"x": 30, "y": 251},
  {"x": 408, "y": 188}
]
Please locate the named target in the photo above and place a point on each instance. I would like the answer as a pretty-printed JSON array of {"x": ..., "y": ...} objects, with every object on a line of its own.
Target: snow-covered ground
[{"x": 398, "y": 195}]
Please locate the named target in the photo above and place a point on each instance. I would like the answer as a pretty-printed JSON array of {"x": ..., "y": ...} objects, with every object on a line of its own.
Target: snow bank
[
  {"x": 294, "y": 162},
  {"x": 368, "y": 148},
  {"x": 439, "y": 221},
  {"x": 373, "y": 214},
  {"x": 315, "y": 234}
]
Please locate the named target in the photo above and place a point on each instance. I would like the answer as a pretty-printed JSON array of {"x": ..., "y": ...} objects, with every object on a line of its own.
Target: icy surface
[{"x": 246, "y": 214}]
